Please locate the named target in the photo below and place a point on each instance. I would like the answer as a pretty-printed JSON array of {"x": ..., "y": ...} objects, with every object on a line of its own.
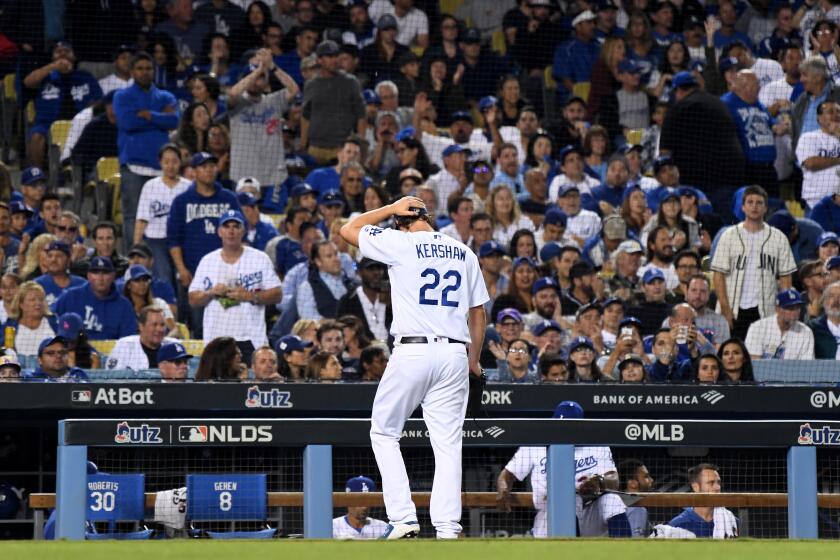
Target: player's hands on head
[{"x": 404, "y": 206}]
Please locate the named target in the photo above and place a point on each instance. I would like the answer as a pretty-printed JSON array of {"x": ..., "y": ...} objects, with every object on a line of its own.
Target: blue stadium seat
[
  {"x": 229, "y": 498},
  {"x": 113, "y": 498}
]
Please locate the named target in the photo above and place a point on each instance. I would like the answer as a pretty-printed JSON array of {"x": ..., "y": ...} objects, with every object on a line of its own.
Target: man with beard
[
  {"x": 653, "y": 309},
  {"x": 624, "y": 263},
  {"x": 781, "y": 336},
  {"x": 697, "y": 296},
  {"x": 660, "y": 256},
  {"x": 686, "y": 264},
  {"x": 545, "y": 295},
  {"x": 371, "y": 300},
  {"x": 582, "y": 291},
  {"x": 826, "y": 328}
]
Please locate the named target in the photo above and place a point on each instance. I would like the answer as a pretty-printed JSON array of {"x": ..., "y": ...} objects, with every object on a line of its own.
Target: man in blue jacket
[
  {"x": 191, "y": 226},
  {"x": 53, "y": 365},
  {"x": 107, "y": 315},
  {"x": 144, "y": 114}
]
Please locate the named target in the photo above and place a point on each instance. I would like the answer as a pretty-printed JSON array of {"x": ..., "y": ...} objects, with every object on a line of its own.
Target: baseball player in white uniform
[
  {"x": 604, "y": 516},
  {"x": 356, "y": 524},
  {"x": 438, "y": 296}
]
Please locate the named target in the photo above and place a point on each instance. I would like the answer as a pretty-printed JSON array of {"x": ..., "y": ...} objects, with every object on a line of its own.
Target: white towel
[
  {"x": 667, "y": 532},
  {"x": 726, "y": 526},
  {"x": 171, "y": 508}
]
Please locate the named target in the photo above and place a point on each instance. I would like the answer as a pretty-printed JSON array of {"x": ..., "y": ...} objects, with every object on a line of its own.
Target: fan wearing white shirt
[
  {"x": 412, "y": 23},
  {"x": 818, "y": 153},
  {"x": 776, "y": 96},
  {"x": 782, "y": 336},
  {"x": 460, "y": 209},
  {"x": 765, "y": 69},
  {"x": 121, "y": 77},
  {"x": 356, "y": 524},
  {"x": 461, "y": 132},
  {"x": 140, "y": 351},
  {"x": 581, "y": 224},
  {"x": 453, "y": 177},
  {"x": 507, "y": 217},
  {"x": 571, "y": 163}
]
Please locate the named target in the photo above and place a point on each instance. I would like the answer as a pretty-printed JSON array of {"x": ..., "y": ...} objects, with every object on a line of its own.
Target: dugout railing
[{"x": 318, "y": 437}]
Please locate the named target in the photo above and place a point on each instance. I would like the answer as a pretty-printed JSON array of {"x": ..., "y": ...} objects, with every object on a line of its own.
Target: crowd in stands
[{"x": 651, "y": 187}]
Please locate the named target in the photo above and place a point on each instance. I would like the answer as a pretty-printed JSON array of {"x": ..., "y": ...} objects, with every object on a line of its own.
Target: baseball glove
[{"x": 477, "y": 383}]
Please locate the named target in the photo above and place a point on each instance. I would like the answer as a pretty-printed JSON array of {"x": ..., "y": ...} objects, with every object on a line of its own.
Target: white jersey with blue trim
[
  {"x": 435, "y": 280},
  {"x": 373, "y": 529}
]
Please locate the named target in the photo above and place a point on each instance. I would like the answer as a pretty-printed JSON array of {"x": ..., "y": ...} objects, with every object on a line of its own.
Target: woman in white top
[
  {"x": 138, "y": 290},
  {"x": 506, "y": 215},
  {"x": 33, "y": 318},
  {"x": 153, "y": 209}
]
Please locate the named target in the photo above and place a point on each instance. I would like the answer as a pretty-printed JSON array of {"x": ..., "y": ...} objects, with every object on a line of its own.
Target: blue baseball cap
[
  {"x": 19, "y": 207},
  {"x": 327, "y": 48},
  {"x": 487, "y": 102},
  {"x": 833, "y": 262},
  {"x": 100, "y": 264},
  {"x": 386, "y": 21},
  {"x": 581, "y": 341},
  {"x": 697, "y": 65},
  {"x": 491, "y": 247},
  {"x": 172, "y": 351},
  {"x": 232, "y": 216},
  {"x": 544, "y": 283},
  {"x": 301, "y": 189},
  {"x": 509, "y": 313},
  {"x": 246, "y": 199},
  {"x": 788, "y": 298},
  {"x": 828, "y": 237},
  {"x": 371, "y": 97},
  {"x": 32, "y": 176},
  {"x": 59, "y": 245},
  {"x": 452, "y": 149},
  {"x": 666, "y": 193},
  {"x": 331, "y": 198},
  {"x": 652, "y": 274},
  {"x": 561, "y": 156},
  {"x": 728, "y": 63},
  {"x": 630, "y": 321},
  {"x": 555, "y": 216},
  {"x": 291, "y": 343},
  {"x": 662, "y": 161},
  {"x": 550, "y": 250},
  {"x": 519, "y": 261},
  {"x": 136, "y": 272},
  {"x": 611, "y": 301},
  {"x": 783, "y": 221},
  {"x": 627, "y": 148},
  {"x": 683, "y": 79},
  {"x": 461, "y": 116},
  {"x": 70, "y": 325},
  {"x": 49, "y": 342},
  {"x": 472, "y": 35},
  {"x": 360, "y": 484},
  {"x": 568, "y": 409},
  {"x": 407, "y": 132},
  {"x": 566, "y": 189},
  {"x": 546, "y": 325},
  {"x": 201, "y": 158},
  {"x": 629, "y": 66},
  {"x": 630, "y": 189}
]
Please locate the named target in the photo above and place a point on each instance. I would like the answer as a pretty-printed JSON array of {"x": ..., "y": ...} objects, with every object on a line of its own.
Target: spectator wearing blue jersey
[
  {"x": 63, "y": 92},
  {"x": 33, "y": 187},
  {"x": 258, "y": 233},
  {"x": 53, "y": 364},
  {"x": 106, "y": 314},
  {"x": 606, "y": 198},
  {"x": 57, "y": 277},
  {"x": 599, "y": 247},
  {"x": 185, "y": 32},
  {"x": 289, "y": 62},
  {"x": 714, "y": 522},
  {"x": 574, "y": 59},
  {"x": 785, "y": 35},
  {"x": 662, "y": 26},
  {"x": 288, "y": 251},
  {"x": 144, "y": 114},
  {"x": 756, "y": 129},
  {"x": 328, "y": 178},
  {"x": 827, "y": 213},
  {"x": 728, "y": 16}
]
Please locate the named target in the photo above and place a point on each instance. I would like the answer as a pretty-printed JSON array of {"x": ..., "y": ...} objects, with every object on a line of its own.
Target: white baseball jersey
[
  {"x": 155, "y": 200},
  {"x": 242, "y": 321},
  {"x": 435, "y": 280},
  {"x": 816, "y": 185},
  {"x": 765, "y": 339},
  {"x": 531, "y": 461},
  {"x": 373, "y": 529},
  {"x": 128, "y": 354}
]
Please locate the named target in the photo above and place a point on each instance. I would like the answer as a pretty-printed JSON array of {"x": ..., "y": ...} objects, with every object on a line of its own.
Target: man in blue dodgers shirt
[
  {"x": 144, "y": 114},
  {"x": 191, "y": 227},
  {"x": 106, "y": 314},
  {"x": 53, "y": 364},
  {"x": 715, "y": 522}
]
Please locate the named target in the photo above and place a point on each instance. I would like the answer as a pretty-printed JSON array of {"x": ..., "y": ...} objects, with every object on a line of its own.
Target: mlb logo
[
  {"x": 192, "y": 434},
  {"x": 80, "y": 396}
]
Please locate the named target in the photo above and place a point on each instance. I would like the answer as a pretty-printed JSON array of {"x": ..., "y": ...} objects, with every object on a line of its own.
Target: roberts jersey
[{"x": 435, "y": 280}]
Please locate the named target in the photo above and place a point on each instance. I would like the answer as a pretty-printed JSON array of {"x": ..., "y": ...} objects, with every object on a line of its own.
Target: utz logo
[
  {"x": 137, "y": 434},
  {"x": 818, "y": 436},
  {"x": 274, "y": 398}
]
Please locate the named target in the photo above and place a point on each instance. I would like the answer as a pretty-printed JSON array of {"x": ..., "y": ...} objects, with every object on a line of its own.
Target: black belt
[{"x": 424, "y": 340}]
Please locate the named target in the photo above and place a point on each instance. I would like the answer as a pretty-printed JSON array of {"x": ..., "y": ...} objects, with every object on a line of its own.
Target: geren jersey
[{"x": 435, "y": 280}]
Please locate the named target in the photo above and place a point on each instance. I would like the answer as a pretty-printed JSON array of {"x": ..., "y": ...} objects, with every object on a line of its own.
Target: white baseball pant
[{"x": 434, "y": 375}]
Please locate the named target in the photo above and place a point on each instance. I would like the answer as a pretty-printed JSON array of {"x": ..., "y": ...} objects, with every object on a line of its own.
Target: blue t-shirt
[
  {"x": 690, "y": 521},
  {"x": 827, "y": 214},
  {"x": 324, "y": 179},
  {"x": 160, "y": 289},
  {"x": 290, "y": 64},
  {"x": 53, "y": 290},
  {"x": 574, "y": 60},
  {"x": 80, "y": 85},
  {"x": 288, "y": 253},
  {"x": 755, "y": 128}
]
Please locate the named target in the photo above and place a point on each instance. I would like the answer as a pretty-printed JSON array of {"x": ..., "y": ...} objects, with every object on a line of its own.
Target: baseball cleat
[{"x": 407, "y": 530}]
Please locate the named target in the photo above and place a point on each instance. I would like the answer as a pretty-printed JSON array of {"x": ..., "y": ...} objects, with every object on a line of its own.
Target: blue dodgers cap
[
  {"x": 327, "y": 48},
  {"x": 472, "y": 36},
  {"x": 568, "y": 409},
  {"x": 629, "y": 66},
  {"x": 652, "y": 274},
  {"x": 461, "y": 116},
  {"x": 566, "y": 189},
  {"x": 386, "y": 21},
  {"x": 301, "y": 189},
  {"x": 630, "y": 189},
  {"x": 360, "y": 484},
  {"x": 611, "y": 301},
  {"x": 556, "y": 217},
  {"x": 581, "y": 342},
  {"x": 509, "y": 313},
  {"x": 828, "y": 237},
  {"x": 100, "y": 264},
  {"x": 136, "y": 272},
  {"x": 544, "y": 283},
  {"x": 561, "y": 156},
  {"x": 630, "y": 321},
  {"x": 371, "y": 98},
  {"x": 70, "y": 325},
  {"x": 32, "y": 176},
  {"x": 331, "y": 198},
  {"x": 491, "y": 247},
  {"x": 696, "y": 65},
  {"x": 292, "y": 343},
  {"x": 833, "y": 262},
  {"x": 49, "y": 342},
  {"x": 172, "y": 351},
  {"x": 550, "y": 250},
  {"x": 201, "y": 158},
  {"x": 662, "y": 161},
  {"x": 728, "y": 63},
  {"x": 788, "y": 298},
  {"x": 546, "y": 325},
  {"x": 19, "y": 207},
  {"x": 783, "y": 221},
  {"x": 627, "y": 148},
  {"x": 246, "y": 199},
  {"x": 519, "y": 261},
  {"x": 405, "y": 133},
  {"x": 452, "y": 149},
  {"x": 683, "y": 79},
  {"x": 668, "y": 193},
  {"x": 486, "y": 102},
  {"x": 59, "y": 245},
  {"x": 232, "y": 216}
]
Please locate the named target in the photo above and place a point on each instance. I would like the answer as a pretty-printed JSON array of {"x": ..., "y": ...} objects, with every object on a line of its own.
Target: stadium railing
[{"x": 319, "y": 437}]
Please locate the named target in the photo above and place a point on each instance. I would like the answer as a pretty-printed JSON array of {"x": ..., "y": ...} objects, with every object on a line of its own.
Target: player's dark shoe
[{"x": 407, "y": 530}]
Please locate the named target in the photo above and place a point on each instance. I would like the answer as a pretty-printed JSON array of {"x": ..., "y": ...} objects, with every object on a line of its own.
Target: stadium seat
[
  {"x": 103, "y": 346},
  {"x": 450, "y": 6},
  {"x": 225, "y": 497},
  {"x": 194, "y": 346},
  {"x": 498, "y": 42},
  {"x": 9, "y": 115},
  {"x": 116, "y": 207},
  {"x": 278, "y": 220},
  {"x": 106, "y": 168},
  {"x": 57, "y": 137},
  {"x": 120, "y": 374},
  {"x": 795, "y": 208},
  {"x": 581, "y": 89},
  {"x": 113, "y": 498}
]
